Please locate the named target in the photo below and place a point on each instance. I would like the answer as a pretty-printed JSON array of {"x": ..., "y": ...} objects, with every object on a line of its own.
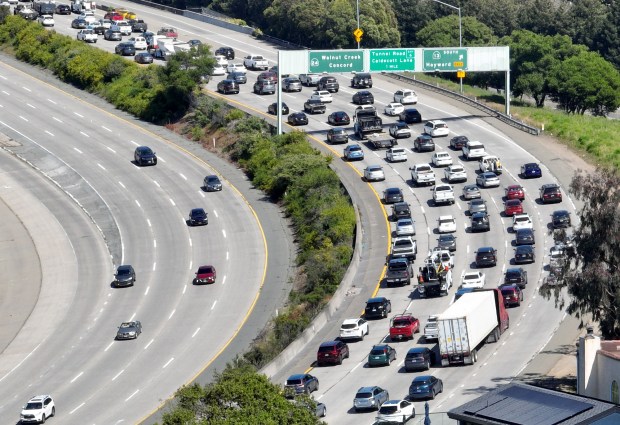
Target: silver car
[
  {"x": 471, "y": 191},
  {"x": 374, "y": 173},
  {"x": 129, "y": 330},
  {"x": 370, "y": 398},
  {"x": 487, "y": 179},
  {"x": 291, "y": 84},
  {"x": 405, "y": 227},
  {"x": 477, "y": 205},
  {"x": 212, "y": 183}
]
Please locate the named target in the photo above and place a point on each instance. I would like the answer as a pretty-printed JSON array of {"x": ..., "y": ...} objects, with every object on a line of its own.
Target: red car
[
  {"x": 205, "y": 274},
  {"x": 113, "y": 16},
  {"x": 403, "y": 327},
  {"x": 512, "y": 207},
  {"x": 515, "y": 192},
  {"x": 332, "y": 352},
  {"x": 168, "y": 32}
]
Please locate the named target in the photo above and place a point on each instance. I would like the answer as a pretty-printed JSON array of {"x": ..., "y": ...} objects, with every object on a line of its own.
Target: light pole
[
  {"x": 460, "y": 28},
  {"x": 358, "y": 20}
]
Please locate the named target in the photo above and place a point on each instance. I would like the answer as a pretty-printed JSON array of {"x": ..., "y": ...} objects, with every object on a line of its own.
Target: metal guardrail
[{"x": 469, "y": 101}]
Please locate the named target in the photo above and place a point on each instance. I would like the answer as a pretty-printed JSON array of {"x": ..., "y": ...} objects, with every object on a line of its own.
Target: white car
[
  {"x": 400, "y": 130},
  {"x": 218, "y": 70},
  {"x": 436, "y": 128},
  {"x": 393, "y": 109},
  {"x": 46, "y": 20},
  {"x": 354, "y": 329},
  {"x": 221, "y": 60},
  {"x": 87, "y": 35},
  {"x": 455, "y": 173},
  {"x": 488, "y": 179},
  {"x": 399, "y": 411},
  {"x": 405, "y": 227},
  {"x": 446, "y": 224},
  {"x": 138, "y": 42},
  {"x": 396, "y": 154},
  {"x": 124, "y": 27},
  {"x": 38, "y": 409},
  {"x": 235, "y": 67},
  {"x": 322, "y": 95},
  {"x": 406, "y": 97},
  {"x": 374, "y": 173},
  {"x": 89, "y": 17},
  {"x": 441, "y": 159},
  {"x": 521, "y": 221},
  {"x": 473, "y": 280},
  {"x": 105, "y": 23}
]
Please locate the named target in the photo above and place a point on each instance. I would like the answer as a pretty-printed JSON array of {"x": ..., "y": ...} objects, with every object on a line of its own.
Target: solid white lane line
[
  {"x": 172, "y": 314},
  {"x": 138, "y": 203},
  {"x": 147, "y": 345},
  {"x": 106, "y": 128},
  {"x": 110, "y": 149},
  {"x": 78, "y": 375},
  {"x": 133, "y": 394},
  {"x": 168, "y": 362},
  {"x": 73, "y": 411},
  {"x": 118, "y": 374},
  {"x": 57, "y": 119},
  {"x": 195, "y": 332},
  {"x": 108, "y": 347},
  {"x": 81, "y": 116},
  {"x": 182, "y": 176},
  {"x": 84, "y": 134},
  {"x": 172, "y": 202}
]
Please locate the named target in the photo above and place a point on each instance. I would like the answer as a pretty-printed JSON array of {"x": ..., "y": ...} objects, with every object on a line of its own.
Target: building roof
[
  {"x": 521, "y": 404},
  {"x": 610, "y": 349}
]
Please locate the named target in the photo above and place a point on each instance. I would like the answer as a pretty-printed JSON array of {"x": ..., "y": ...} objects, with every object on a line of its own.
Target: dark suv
[
  {"x": 363, "y": 97},
  {"x": 424, "y": 143},
  {"x": 516, "y": 276},
  {"x": 480, "y": 222},
  {"x": 362, "y": 80},
  {"x": 410, "y": 116},
  {"x": 377, "y": 307},
  {"x": 550, "y": 193},
  {"x": 227, "y": 52},
  {"x": 400, "y": 210},
  {"x": 418, "y": 358},
  {"x": 143, "y": 155},
  {"x": 238, "y": 77},
  {"x": 228, "y": 86},
  {"x": 125, "y": 49},
  {"x": 328, "y": 83},
  {"x": 332, "y": 352},
  {"x": 124, "y": 276},
  {"x": 486, "y": 257}
]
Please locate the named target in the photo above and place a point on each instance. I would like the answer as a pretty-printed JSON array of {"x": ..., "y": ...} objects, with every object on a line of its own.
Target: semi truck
[{"x": 475, "y": 318}]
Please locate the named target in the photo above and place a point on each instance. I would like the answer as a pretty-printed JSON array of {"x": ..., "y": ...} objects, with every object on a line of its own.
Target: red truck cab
[{"x": 403, "y": 326}]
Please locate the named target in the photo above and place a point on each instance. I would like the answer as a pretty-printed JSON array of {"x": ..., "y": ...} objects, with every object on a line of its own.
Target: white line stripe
[
  {"x": 171, "y": 314},
  {"x": 168, "y": 362},
  {"x": 77, "y": 150},
  {"x": 122, "y": 185},
  {"x": 172, "y": 202},
  {"x": 156, "y": 184},
  {"x": 24, "y": 118},
  {"x": 195, "y": 332},
  {"x": 27, "y": 89},
  {"x": 57, "y": 119},
  {"x": 154, "y": 243},
  {"x": 118, "y": 374},
  {"x": 49, "y": 133},
  {"x": 147, "y": 345},
  {"x": 224, "y": 280},
  {"x": 101, "y": 166},
  {"x": 81, "y": 116},
  {"x": 213, "y": 306},
  {"x": 147, "y": 290},
  {"x": 71, "y": 412},
  {"x": 184, "y": 178},
  {"x": 5, "y": 92},
  {"x": 154, "y": 264},
  {"x": 224, "y": 232},
  {"x": 84, "y": 134},
  {"x": 108, "y": 347},
  {"x": 138, "y": 203},
  {"x": 51, "y": 101},
  {"x": 79, "y": 374},
  {"x": 106, "y": 128},
  {"x": 134, "y": 393},
  {"x": 110, "y": 149},
  {"x": 32, "y": 106},
  {"x": 132, "y": 317}
]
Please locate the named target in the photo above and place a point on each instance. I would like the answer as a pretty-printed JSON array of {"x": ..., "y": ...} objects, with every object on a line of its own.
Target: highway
[{"x": 531, "y": 325}]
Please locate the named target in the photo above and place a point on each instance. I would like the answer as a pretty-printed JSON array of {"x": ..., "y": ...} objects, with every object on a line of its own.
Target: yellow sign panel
[
  {"x": 460, "y": 74},
  {"x": 458, "y": 64},
  {"x": 358, "y": 39},
  {"x": 358, "y": 33}
]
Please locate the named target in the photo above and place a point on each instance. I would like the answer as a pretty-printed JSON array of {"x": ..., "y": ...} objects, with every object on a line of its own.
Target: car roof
[
  {"x": 479, "y": 214},
  {"x": 561, "y": 212},
  {"x": 417, "y": 350},
  {"x": 376, "y": 300},
  {"x": 39, "y": 397},
  {"x": 350, "y": 321},
  {"x": 367, "y": 389},
  {"x": 525, "y": 248},
  {"x": 124, "y": 267},
  {"x": 486, "y": 249},
  {"x": 329, "y": 343},
  {"x": 297, "y": 376}
]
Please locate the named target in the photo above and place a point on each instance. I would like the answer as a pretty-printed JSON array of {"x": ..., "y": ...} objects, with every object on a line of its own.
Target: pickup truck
[
  {"x": 443, "y": 194},
  {"x": 422, "y": 174},
  {"x": 255, "y": 62},
  {"x": 309, "y": 79},
  {"x": 431, "y": 329},
  {"x": 403, "y": 326},
  {"x": 366, "y": 122},
  {"x": 404, "y": 246},
  {"x": 382, "y": 141},
  {"x": 396, "y": 155},
  {"x": 314, "y": 106},
  {"x": 138, "y": 25},
  {"x": 490, "y": 163},
  {"x": 87, "y": 35},
  {"x": 473, "y": 150},
  {"x": 399, "y": 271}
]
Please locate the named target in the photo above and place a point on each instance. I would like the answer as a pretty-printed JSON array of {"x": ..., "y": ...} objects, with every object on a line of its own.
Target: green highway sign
[
  {"x": 336, "y": 61},
  {"x": 445, "y": 59},
  {"x": 392, "y": 59}
]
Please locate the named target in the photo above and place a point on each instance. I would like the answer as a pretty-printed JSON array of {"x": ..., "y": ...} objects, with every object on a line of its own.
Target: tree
[
  {"x": 444, "y": 32},
  {"x": 590, "y": 272},
  {"x": 410, "y": 23},
  {"x": 585, "y": 21},
  {"x": 608, "y": 40},
  {"x": 499, "y": 15}
]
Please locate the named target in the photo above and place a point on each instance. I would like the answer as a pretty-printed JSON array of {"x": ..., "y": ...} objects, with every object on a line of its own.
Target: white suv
[
  {"x": 38, "y": 409},
  {"x": 436, "y": 128}
]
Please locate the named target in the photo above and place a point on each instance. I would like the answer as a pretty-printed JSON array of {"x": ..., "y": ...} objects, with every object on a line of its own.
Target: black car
[
  {"x": 418, "y": 358},
  {"x": 194, "y": 43},
  {"x": 516, "y": 276},
  {"x": 143, "y": 155},
  {"x": 239, "y": 77},
  {"x": 480, "y": 222},
  {"x": 550, "y": 193},
  {"x": 63, "y": 9},
  {"x": 392, "y": 195},
  {"x": 125, "y": 276},
  {"x": 228, "y": 86},
  {"x": 410, "y": 116},
  {"x": 524, "y": 237},
  {"x": 457, "y": 142},
  {"x": 363, "y": 97},
  {"x": 143, "y": 57},
  {"x": 125, "y": 49},
  {"x": 447, "y": 241},
  {"x": 110, "y": 34},
  {"x": 424, "y": 143},
  {"x": 560, "y": 219},
  {"x": 377, "y": 307},
  {"x": 298, "y": 118},
  {"x": 401, "y": 210},
  {"x": 198, "y": 217},
  {"x": 81, "y": 24},
  {"x": 227, "y": 52},
  {"x": 138, "y": 25},
  {"x": 339, "y": 118},
  {"x": 337, "y": 135},
  {"x": 524, "y": 254},
  {"x": 486, "y": 257},
  {"x": 212, "y": 183},
  {"x": 362, "y": 80},
  {"x": 273, "y": 109}
]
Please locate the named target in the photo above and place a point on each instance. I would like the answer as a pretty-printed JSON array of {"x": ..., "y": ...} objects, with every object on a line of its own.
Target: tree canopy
[{"x": 444, "y": 32}]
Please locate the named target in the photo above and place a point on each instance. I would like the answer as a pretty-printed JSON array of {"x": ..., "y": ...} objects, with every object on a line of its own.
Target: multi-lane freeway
[{"x": 93, "y": 377}]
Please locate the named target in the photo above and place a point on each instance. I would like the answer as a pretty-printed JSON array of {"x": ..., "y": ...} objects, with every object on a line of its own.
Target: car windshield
[
  {"x": 355, "y": 148},
  {"x": 33, "y": 406},
  {"x": 377, "y": 351},
  {"x": 363, "y": 395},
  {"x": 203, "y": 270},
  {"x": 507, "y": 291},
  {"x": 398, "y": 265},
  {"x": 327, "y": 348},
  {"x": 405, "y": 222},
  {"x": 401, "y": 323},
  {"x": 415, "y": 355},
  {"x": 470, "y": 277},
  {"x": 387, "y": 410},
  {"x": 293, "y": 381},
  {"x": 446, "y": 238},
  {"x": 441, "y": 125},
  {"x": 348, "y": 326},
  {"x": 403, "y": 242}
]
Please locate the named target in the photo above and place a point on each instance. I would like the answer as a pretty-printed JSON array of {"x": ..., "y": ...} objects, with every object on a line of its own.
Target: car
[
  {"x": 86, "y": 35},
  {"x": 418, "y": 358},
  {"x": 314, "y": 106},
  {"x": 88, "y": 16},
  {"x": 513, "y": 295},
  {"x": 512, "y": 207},
  {"x": 222, "y": 60},
  {"x": 124, "y": 27},
  {"x": 353, "y": 151},
  {"x": 446, "y": 224},
  {"x": 471, "y": 191},
  {"x": 63, "y": 9},
  {"x": 455, "y": 173},
  {"x": 531, "y": 170},
  {"x": 381, "y": 355},
  {"x": 143, "y": 155},
  {"x": 361, "y": 79},
  {"x": 399, "y": 411},
  {"x": 524, "y": 254},
  {"x": 125, "y": 49},
  {"x": 393, "y": 109},
  {"x": 441, "y": 159},
  {"x": 82, "y": 24},
  {"x": 212, "y": 183},
  {"x": 410, "y": 116},
  {"x": 322, "y": 95},
  {"x": 405, "y": 227},
  {"x": 290, "y": 84},
  {"x": 487, "y": 179},
  {"x": 238, "y": 76},
  {"x": 396, "y": 154},
  {"x": 228, "y": 86},
  {"x": 401, "y": 210},
  {"x": 486, "y": 257},
  {"x": 521, "y": 221},
  {"x": 129, "y": 330},
  {"x": 46, "y": 20},
  {"x": 377, "y": 307},
  {"x": 125, "y": 276},
  {"x": 227, "y": 52},
  {"x": 113, "y": 16},
  {"x": 370, "y": 398},
  {"x": 301, "y": 383},
  {"x": 332, "y": 352},
  {"x": 405, "y": 97},
  {"x": 400, "y": 130},
  {"x": 480, "y": 222},
  {"x": 218, "y": 70},
  {"x": 524, "y": 237},
  {"x": 436, "y": 128},
  {"x": 392, "y": 195},
  {"x": 560, "y": 219},
  {"x": 297, "y": 118},
  {"x": 337, "y": 135},
  {"x": 515, "y": 191},
  {"x": 138, "y": 25},
  {"x": 363, "y": 97},
  {"x": 447, "y": 241},
  {"x": 473, "y": 279},
  {"x": 143, "y": 58},
  {"x": 235, "y": 67},
  {"x": 550, "y": 193},
  {"x": 126, "y": 14},
  {"x": 264, "y": 87},
  {"x": 328, "y": 83},
  {"x": 38, "y": 409},
  {"x": 425, "y": 386},
  {"x": 338, "y": 118},
  {"x": 374, "y": 173},
  {"x": 273, "y": 108},
  {"x": 457, "y": 142},
  {"x": 515, "y": 276},
  {"x": 205, "y": 274},
  {"x": 354, "y": 329},
  {"x": 424, "y": 143},
  {"x": 138, "y": 42},
  {"x": 309, "y": 79},
  {"x": 198, "y": 217},
  {"x": 168, "y": 32}
]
